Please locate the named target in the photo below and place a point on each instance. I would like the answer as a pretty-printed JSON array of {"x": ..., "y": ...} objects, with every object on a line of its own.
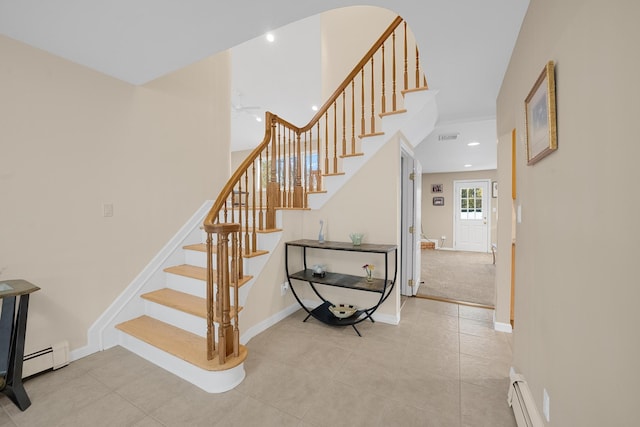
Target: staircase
[{"x": 174, "y": 311}]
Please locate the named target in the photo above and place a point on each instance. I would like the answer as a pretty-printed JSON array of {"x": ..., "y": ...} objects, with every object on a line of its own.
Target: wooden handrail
[
  {"x": 359, "y": 66},
  {"x": 289, "y": 164}
]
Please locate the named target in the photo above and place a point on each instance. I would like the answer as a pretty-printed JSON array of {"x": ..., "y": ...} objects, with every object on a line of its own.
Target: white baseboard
[
  {"x": 267, "y": 323},
  {"x": 502, "y": 327}
]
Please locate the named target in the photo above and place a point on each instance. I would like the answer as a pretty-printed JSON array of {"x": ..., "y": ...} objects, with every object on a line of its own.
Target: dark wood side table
[{"x": 13, "y": 326}]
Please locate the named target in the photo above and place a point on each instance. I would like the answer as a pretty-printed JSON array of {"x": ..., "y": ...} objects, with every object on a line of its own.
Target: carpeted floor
[{"x": 460, "y": 276}]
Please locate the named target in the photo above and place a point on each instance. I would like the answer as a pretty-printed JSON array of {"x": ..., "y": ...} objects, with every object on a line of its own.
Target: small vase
[{"x": 369, "y": 279}]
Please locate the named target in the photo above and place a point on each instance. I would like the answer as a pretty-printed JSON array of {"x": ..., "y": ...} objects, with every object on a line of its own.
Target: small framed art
[{"x": 540, "y": 116}]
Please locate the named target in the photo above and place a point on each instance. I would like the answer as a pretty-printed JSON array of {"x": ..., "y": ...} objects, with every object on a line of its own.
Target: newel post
[{"x": 220, "y": 306}]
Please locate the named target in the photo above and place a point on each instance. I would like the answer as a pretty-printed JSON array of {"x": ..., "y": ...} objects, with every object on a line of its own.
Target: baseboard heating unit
[
  {"x": 51, "y": 358},
  {"x": 521, "y": 401}
]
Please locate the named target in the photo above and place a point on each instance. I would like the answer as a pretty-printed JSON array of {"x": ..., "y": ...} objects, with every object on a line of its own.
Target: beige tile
[
  {"x": 262, "y": 376},
  {"x": 437, "y": 321},
  {"x": 443, "y": 339},
  {"x": 124, "y": 369},
  {"x": 428, "y": 391},
  {"x": 148, "y": 422},
  {"x": 325, "y": 360},
  {"x": 400, "y": 414},
  {"x": 345, "y": 405},
  {"x": 251, "y": 412},
  {"x": 476, "y": 313},
  {"x": 368, "y": 372},
  {"x": 151, "y": 391},
  {"x": 296, "y": 392},
  {"x": 5, "y": 420},
  {"x": 101, "y": 413},
  {"x": 438, "y": 307},
  {"x": 487, "y": 347},
  {"x": 479, "y": 328},
  {"x": 478, "y": 370},
  {"x": 486, "y": 406},
  {"x": 52, "y": 399},
  {"x": 195, "y": 407},
  {"x": 429, "y": 358}
]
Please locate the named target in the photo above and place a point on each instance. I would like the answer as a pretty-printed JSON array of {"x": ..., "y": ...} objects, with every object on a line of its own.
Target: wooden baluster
[
  {"x": 344, "y": 124},
  {"x": 254, "y": 234},
  {"x": 211, "y": 342},
  {"x": 353, "y": 116},
  {"x": 236, "y": 264},
  {"x": 417, "y": 68},
  {"x": 305, "y": 170},
  {"x": 298, "y": 191},
  {"x": 319, "y": 166},
  {"x": 326, "y": 141},
  {"x": 373, "y": 103},
  {"x": 406, "y": 59},
  {"x": 335, "y": 138},
  {"x": 383, "y": 101},
  {"x": 394, "y": 103},
  {"x": 262, "y": 175},
  {"x": 272, "y": 186},
  {"x": 247, "y": 232},
  {"x": 363, "y": 130}
]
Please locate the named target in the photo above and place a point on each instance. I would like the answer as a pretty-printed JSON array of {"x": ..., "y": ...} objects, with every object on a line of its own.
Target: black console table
[
  {"x": 13, "y": 327},
  {"x": 322, "y": 312}
]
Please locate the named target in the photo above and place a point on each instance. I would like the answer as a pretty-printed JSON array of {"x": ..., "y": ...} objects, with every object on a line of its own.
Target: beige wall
[
  {"x": 437, "y": 221},
  {"x": 577, "y": 287},
  {"x": 344, "y": 43},
  {"x": 72, "y": 139}
]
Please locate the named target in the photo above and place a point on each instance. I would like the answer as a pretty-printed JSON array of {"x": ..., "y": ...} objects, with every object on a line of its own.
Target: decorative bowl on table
[{"x": 342, "y": 311}]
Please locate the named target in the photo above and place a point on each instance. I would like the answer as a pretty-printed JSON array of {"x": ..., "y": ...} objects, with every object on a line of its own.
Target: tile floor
[{"x": 442, "y": 366}]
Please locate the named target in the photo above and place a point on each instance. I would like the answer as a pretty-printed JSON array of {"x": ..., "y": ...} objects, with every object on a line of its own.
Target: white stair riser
[
  {"x": 194, "y": 324},
  {"x": 196, "y": 258},
  {"x": 209, "y": 381},
  {"x": 199, "y": 258},
  {"x": 194, "y": 287},
  {"x": 186, "y": 284}
]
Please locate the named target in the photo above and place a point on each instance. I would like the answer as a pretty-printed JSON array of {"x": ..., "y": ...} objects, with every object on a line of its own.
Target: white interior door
[
  {"x": 410, "y": 228},
  {"x": 471, "y": 215}
]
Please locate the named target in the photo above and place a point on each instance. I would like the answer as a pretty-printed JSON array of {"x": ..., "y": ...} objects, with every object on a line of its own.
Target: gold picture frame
[{"x": 540, "y": 117}]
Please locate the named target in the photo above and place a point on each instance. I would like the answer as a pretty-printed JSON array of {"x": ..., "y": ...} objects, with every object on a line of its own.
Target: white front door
[{"x": 471, "y": 213}]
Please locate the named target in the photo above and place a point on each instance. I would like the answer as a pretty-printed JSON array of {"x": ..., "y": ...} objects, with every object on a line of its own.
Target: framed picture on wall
[
  {"x": 540, "y": 117},
  {"x": 438, "y": 201},
  {"x": 436, "y": 188}
]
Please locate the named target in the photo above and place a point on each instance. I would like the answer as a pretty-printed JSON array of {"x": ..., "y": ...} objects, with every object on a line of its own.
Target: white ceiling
[{"x": 465, "y": 44}]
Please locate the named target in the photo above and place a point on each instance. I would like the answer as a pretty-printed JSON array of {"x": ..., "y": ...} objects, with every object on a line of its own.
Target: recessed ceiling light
[
  {"x": 270, "y": 37},
  {"x": 314, "y": 107},
  {"x": 258, "y": 119},
  {"x": 467, "y": 165},
  {"x": 473, "y": 143}
]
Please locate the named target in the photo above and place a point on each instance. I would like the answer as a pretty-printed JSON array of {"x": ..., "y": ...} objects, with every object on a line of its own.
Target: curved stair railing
[{"x": 291, "y": 162}]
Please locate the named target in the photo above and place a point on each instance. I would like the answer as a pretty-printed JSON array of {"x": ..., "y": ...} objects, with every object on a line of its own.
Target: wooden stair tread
[
  {"x": 184, "y": 302},
  {"x": 390, "y": 113},
  {"x": 178, "y": 342},
  {"x": 368, "y": 135},
  {"x": 202, "y": 247},
  {"x": 415, "y": 89},
  {"x": 199, "y": 273},
  {"x": 345, "y": 156}
]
